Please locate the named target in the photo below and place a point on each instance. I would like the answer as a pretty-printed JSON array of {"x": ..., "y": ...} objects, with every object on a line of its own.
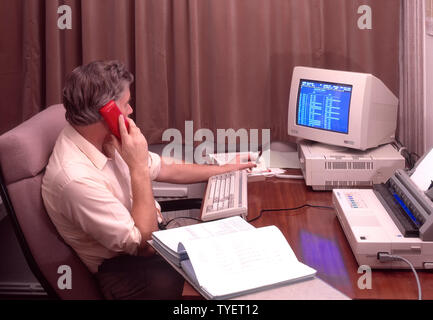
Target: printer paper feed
[{"x": 423, "y": 175}]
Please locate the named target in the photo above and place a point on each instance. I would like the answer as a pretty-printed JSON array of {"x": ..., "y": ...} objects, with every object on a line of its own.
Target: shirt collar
[{"x": 90, "y": 151}]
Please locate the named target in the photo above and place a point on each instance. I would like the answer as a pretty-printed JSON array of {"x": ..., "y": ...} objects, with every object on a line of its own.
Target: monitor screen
[{"x": 324, "y": 105}]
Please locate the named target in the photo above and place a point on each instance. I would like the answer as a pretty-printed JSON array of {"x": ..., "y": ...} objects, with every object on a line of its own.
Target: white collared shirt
[{"x": 89, "y": 199}]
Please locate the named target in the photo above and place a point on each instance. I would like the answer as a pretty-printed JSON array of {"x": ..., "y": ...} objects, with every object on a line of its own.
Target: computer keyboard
[{"x": 225, "y": 196}]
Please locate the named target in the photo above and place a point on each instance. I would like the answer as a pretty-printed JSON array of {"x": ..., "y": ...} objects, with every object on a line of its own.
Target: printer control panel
[{"x": 355, "y": 200}]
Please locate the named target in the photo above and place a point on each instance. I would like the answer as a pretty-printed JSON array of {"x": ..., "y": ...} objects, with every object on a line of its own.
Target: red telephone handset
[{"x": 111, "y": 112}]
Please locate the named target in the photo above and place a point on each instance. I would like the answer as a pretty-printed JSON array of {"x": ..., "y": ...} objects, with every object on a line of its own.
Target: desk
[{"x": 318, "y": 240}]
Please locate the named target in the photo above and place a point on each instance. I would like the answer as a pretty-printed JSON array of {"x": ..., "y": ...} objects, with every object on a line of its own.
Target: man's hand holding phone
[{"x": 133, "y": 145}]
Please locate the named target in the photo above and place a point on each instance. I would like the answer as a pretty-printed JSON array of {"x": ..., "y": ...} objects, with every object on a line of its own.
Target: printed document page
[
  {"x": 171, "y": 238},
  {"x": 243, "y": 261}
]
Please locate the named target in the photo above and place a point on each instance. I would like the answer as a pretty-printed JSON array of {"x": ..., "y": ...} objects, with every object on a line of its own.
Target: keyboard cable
[
  {"x": 163, "y": 226},
  {"x": 290, "y": 209}
]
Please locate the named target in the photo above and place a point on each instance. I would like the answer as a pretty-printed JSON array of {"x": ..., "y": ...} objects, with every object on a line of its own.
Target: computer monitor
[{"x": 350, "y": 109}]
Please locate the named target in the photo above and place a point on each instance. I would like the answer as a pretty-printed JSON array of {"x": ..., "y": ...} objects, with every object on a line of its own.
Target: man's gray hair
[{"x": 89, "y": 87}]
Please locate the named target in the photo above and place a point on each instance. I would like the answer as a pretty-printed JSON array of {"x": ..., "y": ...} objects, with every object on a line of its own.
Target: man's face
[{"x": 123, "y": 103}]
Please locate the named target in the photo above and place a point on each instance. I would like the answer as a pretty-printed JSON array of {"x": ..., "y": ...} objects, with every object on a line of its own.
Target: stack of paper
[{"x": 228, "y": 258}]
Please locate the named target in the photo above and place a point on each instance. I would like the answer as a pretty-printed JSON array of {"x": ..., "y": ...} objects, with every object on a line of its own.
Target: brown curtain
[
  {"x": 220, "y": 63},
  {"x": 411, "y": 115}
]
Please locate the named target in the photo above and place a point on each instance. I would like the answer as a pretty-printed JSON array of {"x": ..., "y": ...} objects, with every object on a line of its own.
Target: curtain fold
[
  {"x": 220, "y": 63},
  {"x": 411, "y": 115}
]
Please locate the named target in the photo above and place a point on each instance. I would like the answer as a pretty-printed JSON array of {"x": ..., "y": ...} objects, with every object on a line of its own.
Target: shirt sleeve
[
  {"x": 154, "y": 165},
  {"x": 91, "y": 205}
]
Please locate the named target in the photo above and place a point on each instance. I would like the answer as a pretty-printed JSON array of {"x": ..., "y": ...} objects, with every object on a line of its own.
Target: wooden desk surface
[{"x": 318, "y": 240}]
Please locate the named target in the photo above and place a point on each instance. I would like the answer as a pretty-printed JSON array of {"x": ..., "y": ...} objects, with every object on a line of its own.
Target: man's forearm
[
  {"x": 143, "y": 205},
  {"x": 190, "y": 173}
]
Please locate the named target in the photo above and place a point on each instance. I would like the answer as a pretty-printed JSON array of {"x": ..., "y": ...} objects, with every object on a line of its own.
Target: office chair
[{"x": 24, "y": 154}]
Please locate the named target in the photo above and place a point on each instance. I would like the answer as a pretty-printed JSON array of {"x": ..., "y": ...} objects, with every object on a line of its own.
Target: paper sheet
[
  {"x": 172, "y": 237},
  {"x": 244, "y": 260},
  {"x": 284, "y": 160},
  {"x": 423, "y": 175}
]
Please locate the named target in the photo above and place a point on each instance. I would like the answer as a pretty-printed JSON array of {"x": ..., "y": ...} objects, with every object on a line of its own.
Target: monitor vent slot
[
  {"x": 349, "y": 165},
  {"x": 337, "y": 165},
  {"x": 329, "y": 184}
]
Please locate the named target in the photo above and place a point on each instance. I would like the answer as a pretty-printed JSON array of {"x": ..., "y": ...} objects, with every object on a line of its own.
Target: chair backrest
[{"x": 24, "y": 154}]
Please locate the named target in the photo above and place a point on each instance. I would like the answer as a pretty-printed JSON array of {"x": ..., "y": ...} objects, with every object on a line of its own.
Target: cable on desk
[
  {"x": 164, "y": 226},
  {"x": 410, "y": 157},
  {"x": 383, "y": 256},
  {"x": 290, "y": 209}
]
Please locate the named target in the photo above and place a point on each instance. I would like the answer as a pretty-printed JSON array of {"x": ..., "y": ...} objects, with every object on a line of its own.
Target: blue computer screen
[{"x": 324, "y": 105}]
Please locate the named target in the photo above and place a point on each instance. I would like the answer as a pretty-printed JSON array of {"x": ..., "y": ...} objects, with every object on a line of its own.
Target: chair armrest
[{"x": 180, "y": 204}]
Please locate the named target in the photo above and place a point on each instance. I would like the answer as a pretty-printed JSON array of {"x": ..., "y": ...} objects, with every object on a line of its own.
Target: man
[{"x": 97, "y": 190}]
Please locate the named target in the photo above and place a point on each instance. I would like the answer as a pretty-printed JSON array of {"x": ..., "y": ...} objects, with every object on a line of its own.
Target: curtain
[
  {"x": 220, "y": 63},
  {"x": 411, "y": 112}
]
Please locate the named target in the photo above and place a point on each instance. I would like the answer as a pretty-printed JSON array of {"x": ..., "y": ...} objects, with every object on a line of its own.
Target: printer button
[{"x": 428, "y": 265}]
